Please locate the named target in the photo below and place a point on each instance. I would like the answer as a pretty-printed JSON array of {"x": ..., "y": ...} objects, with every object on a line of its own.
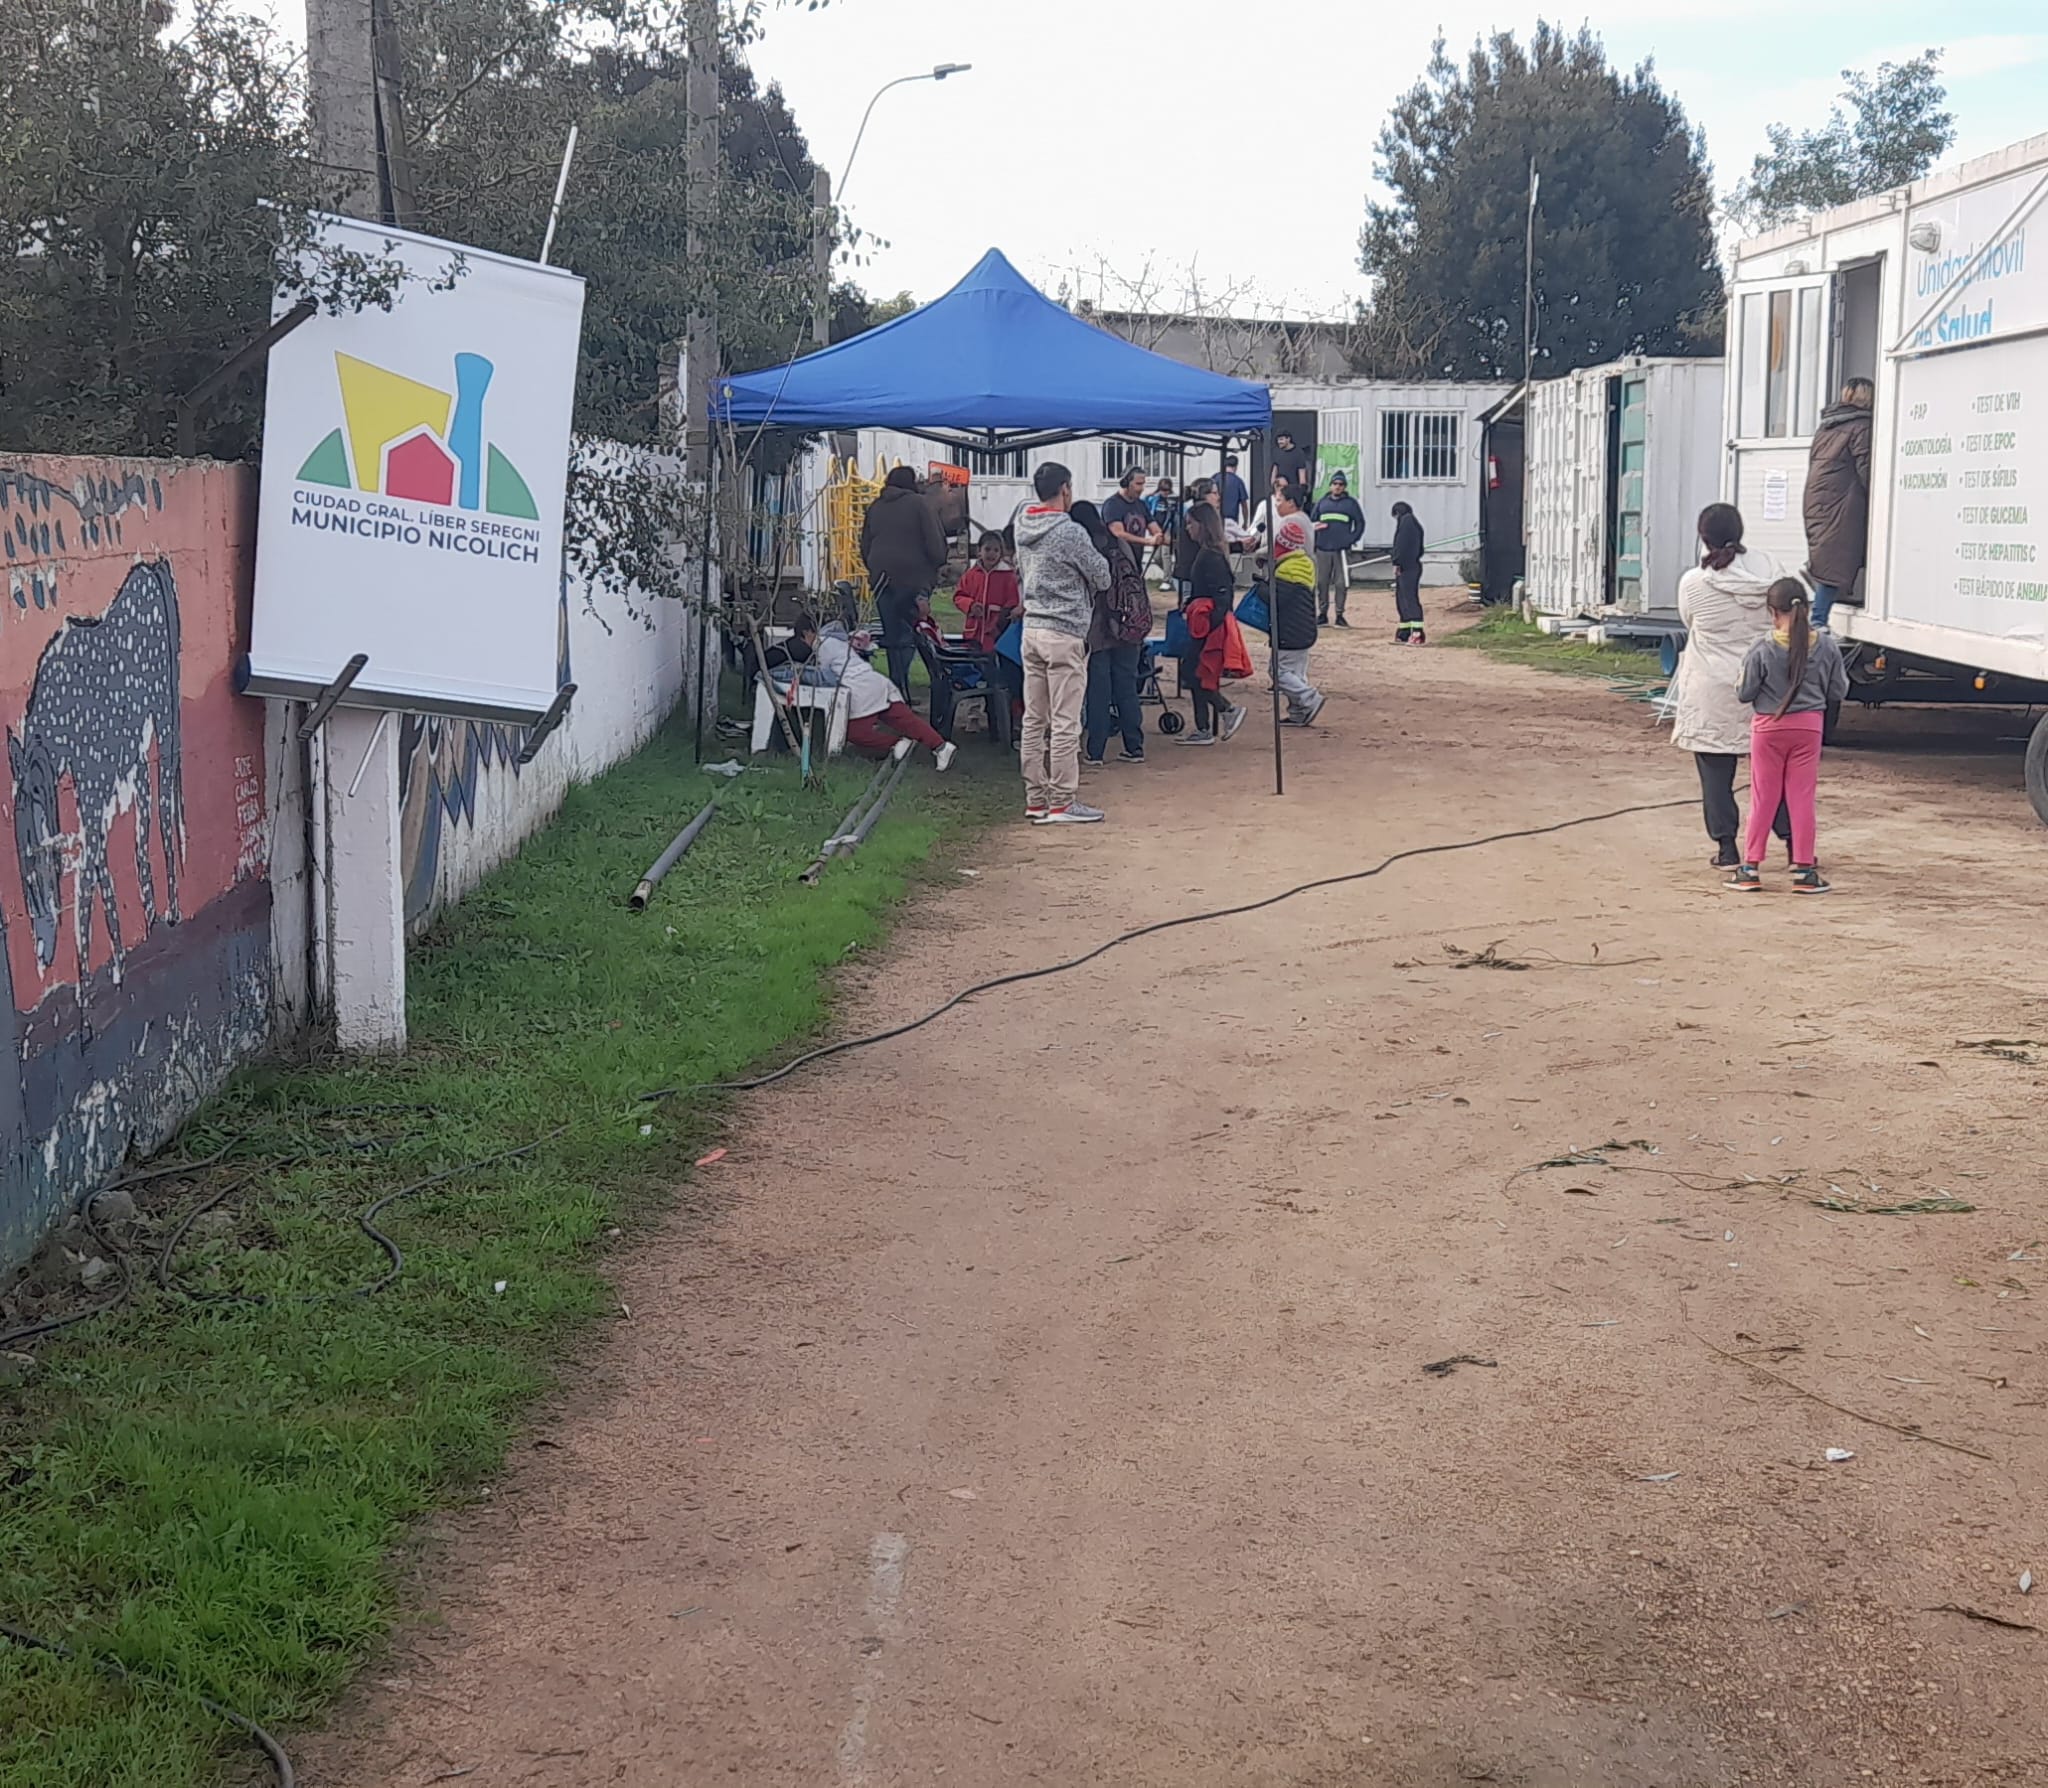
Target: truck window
[{"x": 1783, "y": 355}]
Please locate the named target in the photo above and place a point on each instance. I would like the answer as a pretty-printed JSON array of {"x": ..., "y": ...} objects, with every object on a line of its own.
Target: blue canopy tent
[{"x": 994, "y": 363}]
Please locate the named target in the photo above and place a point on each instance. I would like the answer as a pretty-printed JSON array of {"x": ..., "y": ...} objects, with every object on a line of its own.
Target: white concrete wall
[{"x": 467, "y": 806}]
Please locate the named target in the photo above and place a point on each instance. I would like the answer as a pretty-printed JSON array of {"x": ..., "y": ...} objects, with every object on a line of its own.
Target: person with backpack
[{"x": 1116, "y": 644}]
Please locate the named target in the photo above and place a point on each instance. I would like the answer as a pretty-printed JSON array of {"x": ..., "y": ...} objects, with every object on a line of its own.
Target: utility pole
[
  {"x": 700, "y": 346},
  {"x": 821, "y": 258},
  {"x": 1529, "y": 288},
  {"x": 700, "y": 149},
  {"x": 349, "y": 771},
  {"x": 341, "y": 75}
]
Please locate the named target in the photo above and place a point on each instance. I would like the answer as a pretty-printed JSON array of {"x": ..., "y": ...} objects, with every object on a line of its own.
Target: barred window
[
  {"x": 1118, "y": 457},
  {"x": 1002, "y": 463},
  {"x": 1419, "y": 446}
]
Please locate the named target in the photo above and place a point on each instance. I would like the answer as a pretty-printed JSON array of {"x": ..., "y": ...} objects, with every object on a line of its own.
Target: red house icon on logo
[{"x": 420, "y": 470}]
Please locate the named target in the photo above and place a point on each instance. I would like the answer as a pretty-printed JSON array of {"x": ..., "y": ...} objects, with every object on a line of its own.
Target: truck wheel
[{"x": 2037, "y": 768}]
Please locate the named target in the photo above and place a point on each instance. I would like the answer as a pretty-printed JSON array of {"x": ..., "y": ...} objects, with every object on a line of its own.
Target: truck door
[{"x": 1780, "y": 345}]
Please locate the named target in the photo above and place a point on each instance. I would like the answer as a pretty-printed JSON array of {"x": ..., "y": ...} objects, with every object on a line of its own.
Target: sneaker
[
  {"x": 1092, "y": 763},
  {"x": 1130, "y": 757},
  {"x": 1727, "y": 857},
  {"x": 1074, "y": 813},
  {"x": 1418, "y": 638},
  {"x": 1341, "y": 622},
  {"x": 1204, "y": 737},
  {"x": 1322, "y": 617},
  {"x": 1809, "y": 880},
  {"x": 899, "y": 751},
  {"x": 946, "y": 754},
  {"x": 1231, "y": 722},
  {"x": 1315, "y": 707},
  {"x": 1745, "y": 880},
  {"x": 1034, "y": 811}
]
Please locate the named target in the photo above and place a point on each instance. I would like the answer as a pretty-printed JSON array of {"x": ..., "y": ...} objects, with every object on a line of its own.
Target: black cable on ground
[
  {"x": 269, "y": 1746},
  {"x": 49, "y": 1325},
  {"x": 366, "y": 1221},
  {"x": 1128, "y": 937}
]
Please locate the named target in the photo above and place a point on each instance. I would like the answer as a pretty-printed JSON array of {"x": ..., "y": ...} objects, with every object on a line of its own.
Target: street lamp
[
  {"x": 938, "y": 73},
  {"x": 821, "y": 206}
]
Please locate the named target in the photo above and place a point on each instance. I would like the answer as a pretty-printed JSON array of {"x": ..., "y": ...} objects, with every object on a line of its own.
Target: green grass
[
  {"x": 211, "y": 1492},
  {"x": 1503, "y": 634}
]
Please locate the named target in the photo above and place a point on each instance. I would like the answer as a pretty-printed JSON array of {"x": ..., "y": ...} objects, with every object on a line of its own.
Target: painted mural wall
[
  {"x": 135, "y": 904},
  {"x": 468, "y": 804}
]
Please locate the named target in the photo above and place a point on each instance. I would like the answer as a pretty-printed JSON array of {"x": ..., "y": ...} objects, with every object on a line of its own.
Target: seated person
[
  {"x": 989, "y": 599},
  {"x": 788, "y": 655},
  {"x": 879, "y": 722}
]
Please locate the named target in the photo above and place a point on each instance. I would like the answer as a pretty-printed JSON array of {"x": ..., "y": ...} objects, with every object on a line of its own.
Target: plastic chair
[{"x": 801, "y": 696}]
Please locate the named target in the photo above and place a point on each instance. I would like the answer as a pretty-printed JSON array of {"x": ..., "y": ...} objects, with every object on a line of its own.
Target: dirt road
[{"x": 1047, "y": 1403}]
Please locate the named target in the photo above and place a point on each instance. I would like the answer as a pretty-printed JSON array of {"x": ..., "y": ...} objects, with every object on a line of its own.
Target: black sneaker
[
  {"x": 1746, "y": 880},
  {"x": 1341, "y": 622},
  {"x": 1727, "y": 857},
  {"x": 1809, "y": 880}
]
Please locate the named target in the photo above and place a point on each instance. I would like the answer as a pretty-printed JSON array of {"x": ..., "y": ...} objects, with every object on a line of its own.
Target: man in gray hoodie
[{"x": 1062, "y": 574}]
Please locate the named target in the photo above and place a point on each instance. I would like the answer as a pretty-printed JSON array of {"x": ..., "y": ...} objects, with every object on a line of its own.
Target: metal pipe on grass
[
  {"x": 670, "y": 858},
  {"x": 847, "y": 846},
  {"x": 844, "y": 830}
]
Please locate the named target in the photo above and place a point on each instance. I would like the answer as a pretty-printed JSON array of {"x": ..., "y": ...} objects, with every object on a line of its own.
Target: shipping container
[
  {"x": 1621, "y": 460},
  {"x": 1930, "y": 293}
]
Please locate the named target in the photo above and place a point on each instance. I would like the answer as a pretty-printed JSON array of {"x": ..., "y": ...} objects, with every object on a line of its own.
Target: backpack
[{"x": 1129, "y": 608}]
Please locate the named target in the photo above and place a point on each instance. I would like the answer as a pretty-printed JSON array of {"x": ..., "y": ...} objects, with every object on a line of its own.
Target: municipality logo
[{"x": 413, "y": 443}]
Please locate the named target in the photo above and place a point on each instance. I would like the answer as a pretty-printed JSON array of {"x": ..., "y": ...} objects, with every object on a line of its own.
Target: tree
[
  {"x": 1624, "y": 240},
  {"x": 1896, "y": 127},
  {"x": 134, "y": 170},
  {"x": 156, "y": 174}
]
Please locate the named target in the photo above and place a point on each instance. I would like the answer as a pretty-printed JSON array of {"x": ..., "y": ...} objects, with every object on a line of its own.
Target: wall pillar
[{"x": 365, "y": 882}]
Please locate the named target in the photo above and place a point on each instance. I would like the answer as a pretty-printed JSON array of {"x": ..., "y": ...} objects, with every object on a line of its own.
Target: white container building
[
  {"x": 1621, "y": 459},
  {"x": 1416, "y": 443}
]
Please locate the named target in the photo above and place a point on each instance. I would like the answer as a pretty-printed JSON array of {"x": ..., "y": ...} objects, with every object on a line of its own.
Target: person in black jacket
[
  {"x": 1340, "y": 525},
  {"x": 1407, "y": 557},
  {"x": 904, "y": 550}
]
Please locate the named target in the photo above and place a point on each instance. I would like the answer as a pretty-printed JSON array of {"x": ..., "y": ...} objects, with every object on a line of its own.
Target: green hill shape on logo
[
  {"x": 505, "y": 492},
  {"x": 327, "y": 464}
]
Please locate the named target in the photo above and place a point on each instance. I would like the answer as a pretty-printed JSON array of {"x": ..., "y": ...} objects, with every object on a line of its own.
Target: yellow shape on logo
[{"x": 381, "y": 406}]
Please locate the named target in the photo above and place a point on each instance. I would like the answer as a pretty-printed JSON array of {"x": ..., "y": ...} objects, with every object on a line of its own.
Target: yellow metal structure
[{"x": 847, "y": 496}]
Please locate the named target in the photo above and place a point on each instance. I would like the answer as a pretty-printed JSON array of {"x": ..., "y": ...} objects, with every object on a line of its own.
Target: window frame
[{"x": 1414, "y": 458}]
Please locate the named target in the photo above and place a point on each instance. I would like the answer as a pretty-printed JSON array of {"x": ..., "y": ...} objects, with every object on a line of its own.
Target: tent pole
[{"x": 1273, "y": 631}]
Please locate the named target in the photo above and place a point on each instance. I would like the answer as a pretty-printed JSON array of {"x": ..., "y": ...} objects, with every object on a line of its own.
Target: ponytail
[
  {"x": 1721, "y": 535},
  {"x": 1788, "y": 596}
]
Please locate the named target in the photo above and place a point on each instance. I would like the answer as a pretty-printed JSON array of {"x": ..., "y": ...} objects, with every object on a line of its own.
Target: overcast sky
[{"x": 1081, "y": 132}]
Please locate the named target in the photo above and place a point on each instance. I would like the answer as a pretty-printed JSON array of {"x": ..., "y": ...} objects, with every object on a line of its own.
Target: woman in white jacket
[{"x": 1721, "y": 602}]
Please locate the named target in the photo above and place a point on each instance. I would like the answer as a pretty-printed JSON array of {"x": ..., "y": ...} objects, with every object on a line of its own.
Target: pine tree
[{"x": 1625, "y": 259}]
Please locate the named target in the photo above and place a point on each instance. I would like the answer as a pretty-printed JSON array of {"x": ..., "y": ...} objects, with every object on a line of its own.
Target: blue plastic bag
[
  {"x": 1253, "y": 613},
  {"x": 1179, "y": 641},
  {"x": 1011, "y": 644}
]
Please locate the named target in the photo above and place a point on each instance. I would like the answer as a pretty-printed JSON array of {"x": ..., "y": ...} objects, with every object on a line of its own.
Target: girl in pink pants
[{"x": 1788, "y": 679}]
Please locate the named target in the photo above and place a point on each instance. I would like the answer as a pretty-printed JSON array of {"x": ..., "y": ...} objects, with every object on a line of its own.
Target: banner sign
[{"x": 415, "y": 468}]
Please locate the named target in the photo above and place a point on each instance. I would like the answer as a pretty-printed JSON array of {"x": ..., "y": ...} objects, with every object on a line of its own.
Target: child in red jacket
[{"x": 989, "y": 598}]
